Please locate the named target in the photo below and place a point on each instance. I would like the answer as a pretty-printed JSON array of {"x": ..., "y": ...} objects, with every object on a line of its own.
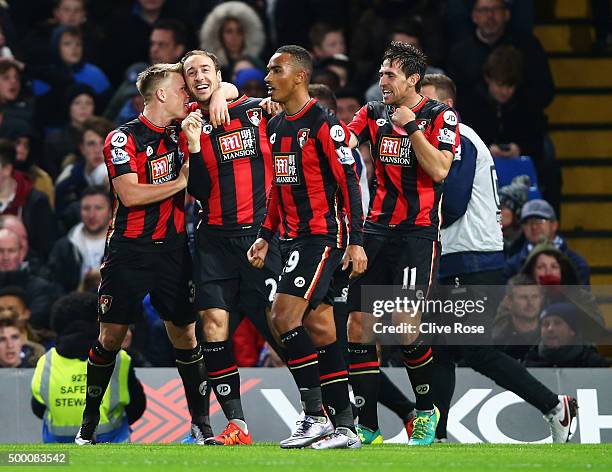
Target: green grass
[{"x": 269, "y": 458}]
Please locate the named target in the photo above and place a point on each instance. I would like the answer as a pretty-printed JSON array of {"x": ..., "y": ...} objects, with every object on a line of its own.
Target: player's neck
[
  {"x": 296, "y": 102},
  {"x": 412, "y": 100},
  {"x": 157, "y": 116}
]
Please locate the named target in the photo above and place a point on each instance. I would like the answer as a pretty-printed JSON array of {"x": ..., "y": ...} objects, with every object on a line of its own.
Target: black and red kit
[
  {"x": 155, "y": 155},
  {"x": 146, "y": 250},
  {"x": 314, "y": 178},
  {"x": 232, "y": 178},
  {"x": 406, "y": 198}
]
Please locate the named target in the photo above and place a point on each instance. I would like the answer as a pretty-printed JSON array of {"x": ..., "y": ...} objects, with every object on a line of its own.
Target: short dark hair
[
  {"x": 14, "y": 291},
  {"x": 201, "y": 52},
  {"x": 11, "y": 322},
  {"x": 8, "y": 64},
  {"x": 327, "y": 77},
  {"x": 410, "y": 58},
  {"x": 318, "y": 31},
  {"x": 178, "y": 28},
  {"x": 97, "y": 190},
  {"x": 299, "y": 55},
  {"x": 517, "y": 281},
  {"x": 325, "y": 95},
  {"x": 7, "y": 152},
  {"x": 348, "y": 92},
  {"x": 444, "y": 85},
  {"x": 74, "y": 307},
  {"x": 504, "y": 65}
]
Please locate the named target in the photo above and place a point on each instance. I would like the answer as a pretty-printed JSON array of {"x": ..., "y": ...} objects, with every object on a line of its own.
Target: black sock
[
  {"x": 100, "y": 366},
  {"x": 334, "y": 385},
  {"x": 393, "y": 398},
  {"x": 190, "y": 364},
  {"x": 418, "y": 359},
  {"x": 365, "y": 379},
  {"x": 303, "y": 365},
  {"x": 224, "y": 377}
]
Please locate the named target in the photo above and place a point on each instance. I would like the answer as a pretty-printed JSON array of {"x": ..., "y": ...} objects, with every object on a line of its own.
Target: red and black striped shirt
[
  {"x": 156, "y": 155},
  {"x": 314, "y": 178},
  {"x": 406, "y": 197},
  {"x": 233, "y": 175}
]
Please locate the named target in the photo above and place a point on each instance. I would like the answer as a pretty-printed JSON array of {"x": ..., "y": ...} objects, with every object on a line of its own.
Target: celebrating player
[
  {"x": 146, "y": 249},
  {"x": 413, "y": 142},
  {"x": 314, "y": 178},
  {"x": 230, "y": 179}
]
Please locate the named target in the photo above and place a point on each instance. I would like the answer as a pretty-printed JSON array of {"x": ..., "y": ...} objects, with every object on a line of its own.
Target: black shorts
[
  {"x": 309, "y": 266},
  {"x": 224, "y": 278},
  {"x": 128, "y": 274},
  {"x": 399, "y": 260}
]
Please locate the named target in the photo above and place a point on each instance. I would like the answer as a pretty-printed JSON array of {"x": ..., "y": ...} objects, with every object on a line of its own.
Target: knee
[
  {"x": 110, "y": 340},
  {"x": 215, "y": 325}
]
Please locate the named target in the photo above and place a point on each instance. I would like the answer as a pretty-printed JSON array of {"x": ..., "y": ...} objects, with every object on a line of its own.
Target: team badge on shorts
[
  {"x": 105, "y": 303},
  {"x": 254, "y": 116},
  {"x": 302, "y": 136}
]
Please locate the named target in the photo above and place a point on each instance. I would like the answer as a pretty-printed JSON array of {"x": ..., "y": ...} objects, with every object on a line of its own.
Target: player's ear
[
  {"x": 414, "y": 79},
  {"x": 219, "y": 76},
  {"x": 160, "y": 94}
]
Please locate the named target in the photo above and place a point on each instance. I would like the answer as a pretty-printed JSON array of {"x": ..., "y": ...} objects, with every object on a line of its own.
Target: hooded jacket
[
  {"x": 254, "y": 34},
  {"x": 516, "y": 262}
]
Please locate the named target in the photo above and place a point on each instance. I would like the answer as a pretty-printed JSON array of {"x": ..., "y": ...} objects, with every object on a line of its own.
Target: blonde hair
[{"x": 149, "y": 79}]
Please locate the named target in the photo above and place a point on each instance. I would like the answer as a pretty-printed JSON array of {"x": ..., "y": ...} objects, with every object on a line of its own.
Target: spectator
[
  {"x": 233, "y": 31},
  {"x": 17, "y": 197},
  {"x": 5, "y": 51},
  {"x": 349, "y": 103},
  {"x": 74, "y": 320},
  {"x": 562, "y": 344},
  {"x": 26, "y": 155},
  {"x": 13, "y": 299},
  {"x": 88, "y": 169},
  {"x": 37, "y": 45},
  {"x": 31, "y": 259},
  {"x": 539, "y": 223},
  {"x": 516, "y": 327},
  {"x": 250, "y": 82},
  {"x": 167, "y": 44},
  {"x": 66, "y": 68},
  {"x": 15, "y": 348},
  {"x": 80, "y": 252},
  {"x": 509, "y": 123},
  {"x": 40, "y": 292},
  {"x": 512, "y": 197},
  {"x": 338, "y": 64},
  {"x": 467, "y": 57},
  {"x": 79, "y": 106},
  {"x": 15, "y": 111},
  {"x": 326, "y": 41},
  {"x": 11, "y": 344},
  {"x": 553, "y": 269},
  {"x": 131, "y": 27}
]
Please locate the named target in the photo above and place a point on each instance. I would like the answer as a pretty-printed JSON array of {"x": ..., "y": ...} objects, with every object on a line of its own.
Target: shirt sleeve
[
  {"x": 334, "y": 137},
  {"x": 120, "y": 154},
  {"x": 459, "y": 183},
  {"x": 445, "y": 132},
  {"x": 359, "y": 125}
]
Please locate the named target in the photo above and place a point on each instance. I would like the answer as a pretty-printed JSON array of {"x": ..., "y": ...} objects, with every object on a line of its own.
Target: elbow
[
  {"x": 129, "y": 200},
  {"x": 439, "y": 175}
]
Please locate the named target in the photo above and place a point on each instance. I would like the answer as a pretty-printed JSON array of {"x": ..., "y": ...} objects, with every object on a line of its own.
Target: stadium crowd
[{"x": 68, "y": 71}]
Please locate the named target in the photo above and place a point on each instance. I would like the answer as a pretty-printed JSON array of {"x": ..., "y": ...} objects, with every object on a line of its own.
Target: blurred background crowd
[{"x": 67, "y": 77}]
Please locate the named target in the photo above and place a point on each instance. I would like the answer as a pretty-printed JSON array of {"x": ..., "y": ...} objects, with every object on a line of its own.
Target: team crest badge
[
  {"x": 254, "y": 116},
  {"x": 302, "y": 136},
  {"x": 172, "y": 133},
  {"x": 105, "y": 303}
]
